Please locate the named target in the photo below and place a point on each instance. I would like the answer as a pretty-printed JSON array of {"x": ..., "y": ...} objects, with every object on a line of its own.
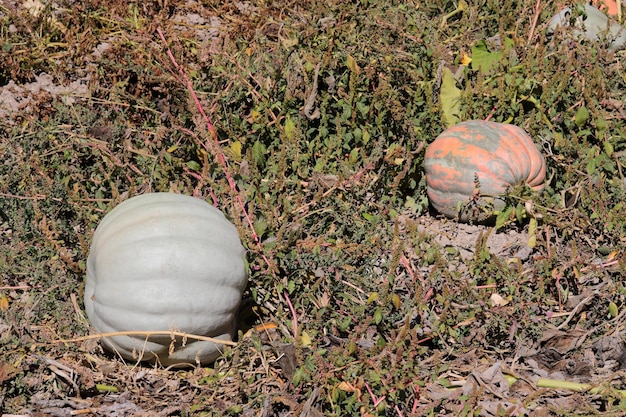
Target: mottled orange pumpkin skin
[{"x": 493, "y": 155}]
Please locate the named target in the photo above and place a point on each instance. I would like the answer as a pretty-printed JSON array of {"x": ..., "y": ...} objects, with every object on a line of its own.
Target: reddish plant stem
[
  {"x": 375, "y": 400},
  {"x": 293, "y": 314},
  {"x": 16, "y": 287},
  {"x": 415, "y": 403},
  {"x": 491, "y": 114},
  {"x": 214, "y": 146},
  {"x": 533, "y": 25}
]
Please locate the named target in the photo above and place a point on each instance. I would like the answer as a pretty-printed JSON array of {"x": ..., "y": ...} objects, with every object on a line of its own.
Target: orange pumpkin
[
  {"x": 471, "y": 165},
  {"x": 607, "y": 6}
]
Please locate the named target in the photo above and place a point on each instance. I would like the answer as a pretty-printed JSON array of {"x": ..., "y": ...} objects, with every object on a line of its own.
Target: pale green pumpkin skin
[
  {"x": 494, "y": 155},
  {"x": 163, "y": 262}
]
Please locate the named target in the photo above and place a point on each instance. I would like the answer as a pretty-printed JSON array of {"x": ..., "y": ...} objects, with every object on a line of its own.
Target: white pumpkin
[
  {"x": 165, "y": 262},
  {"x": 591, "y": 24}
]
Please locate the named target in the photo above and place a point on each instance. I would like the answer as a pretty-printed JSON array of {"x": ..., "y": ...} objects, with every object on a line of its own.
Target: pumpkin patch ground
[{"x": 308, "y": 125}]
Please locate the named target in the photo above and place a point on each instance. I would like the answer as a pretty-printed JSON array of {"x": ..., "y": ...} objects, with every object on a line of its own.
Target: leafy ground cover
[{"x": 361, "y": 301}]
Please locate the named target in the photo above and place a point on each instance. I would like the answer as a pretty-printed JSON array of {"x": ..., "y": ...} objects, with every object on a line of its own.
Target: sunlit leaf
[
  {"x": 373, "y": 297},
  {"x": 366, "y": 136},
  {"x": 354, "y": 156},
  {"x": 260, "y": 226},
  {"x": 352, "y": 65},
  {"x": 396, "y": 301},
  {"x": 608, "y": 148},
  {"x": 532, "y": 232},
  {"x": 290, "y": 42},
  {"x": 344, "y": 386},
  {"x": 305, "y": 339},
  {"x": 193, "y": 165},
  {"x": 259, "y": 152},
  {"x": 369, "y": 217},
  {"x": 497, "y": 300},
  {"x": 378, "y": 316},
  {"x": 482, "y": 59},
  {"x": 290, "y": 128},
  {"x": 503, "y": 217},
  {"x": 4, "y": 302},
  {"x": 450, "y": 98},
  {"x": 235, "y": 150},
  {"x": 582, "y": 115}
]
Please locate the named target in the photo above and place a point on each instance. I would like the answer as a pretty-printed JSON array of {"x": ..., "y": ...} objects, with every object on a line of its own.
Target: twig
[
  {"x": 535, "y": 19},
  {"x": 573, "y": 386},
  {"x": 415, "y": 403},
  {"x": 576, "y": 310},
  {"x": 375, "y": 400},
  {"x": 308, "y": 405},
  {"x": 27, "y": 197},
  {"x": 146, "y": 335},
  {"x": 459, "y": 9},
  {"x": 61, "y": 370},
  {"x": 599, "y": 266},
  {"x": 293, "y": 313}
]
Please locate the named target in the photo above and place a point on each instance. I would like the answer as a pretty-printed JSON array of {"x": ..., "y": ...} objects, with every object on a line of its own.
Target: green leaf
[
  {"x": 482, "y": 59},
  {"x": 582, "y": 115},
  {"x": 235, "y": 150},
  {"x": 396, "y": 301},
  {"x": 378, "y": 316},
  {"x": 290, "y": 42},
  {"x": 258, "y": 152},
  {"x": 372, "y": 297},
  {"x": 298, "y": 376},
  {"x": 362, "y": 108},
  {"x": 504, "y": 217},
  {"x": 193, "y": 165},
  {"x": 591, "y": 166},
  {"x": 366, "y": 136},
  {"x": 520, "y": 212},
  {"x": 354, "y": 156},
  {"x": 372, "y": 218},
  {"x": 450, "y": 98},
  {"x": 608, "y": 148},
  {"x": 352, "y": 65},
  {"x": 290, "y": 128},
  {"x": 260, "y": 226}
]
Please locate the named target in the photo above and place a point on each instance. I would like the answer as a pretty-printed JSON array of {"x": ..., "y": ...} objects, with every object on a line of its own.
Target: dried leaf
[
  {"x": 562, "y": 341},
  {"x": 497, "y": 300},
  {"x": 347, "y": 387},
  {"x": 4, "y": 302}
]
